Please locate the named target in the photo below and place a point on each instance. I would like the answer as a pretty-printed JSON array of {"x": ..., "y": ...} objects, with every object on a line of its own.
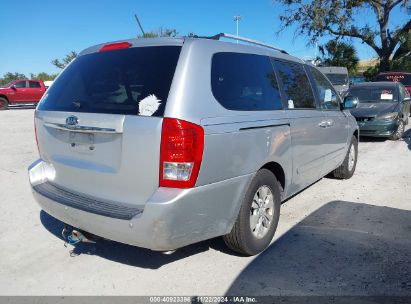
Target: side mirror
[
  {"x": 14, "y": 87},
  {"x": 350, "y": 102}
]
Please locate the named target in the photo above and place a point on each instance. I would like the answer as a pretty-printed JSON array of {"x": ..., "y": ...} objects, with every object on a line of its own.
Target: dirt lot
[{"x": 335, "y": 238}]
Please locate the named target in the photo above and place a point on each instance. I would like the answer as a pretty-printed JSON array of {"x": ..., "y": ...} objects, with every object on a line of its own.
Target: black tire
[
  {"x": 3, "y": 103},
  {"x": 241, "y": 238},
  {"x": 399, "y": 132},
  {"x": 345, "y": 171}
]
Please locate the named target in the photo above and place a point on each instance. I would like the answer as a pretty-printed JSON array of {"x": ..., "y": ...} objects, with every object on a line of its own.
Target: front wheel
[
  {"x": 347, "y": 168},
  {"x": 3, "y": 103},
  {"x": 399, "y": 132},
  {"x": 258, "y": 218}
]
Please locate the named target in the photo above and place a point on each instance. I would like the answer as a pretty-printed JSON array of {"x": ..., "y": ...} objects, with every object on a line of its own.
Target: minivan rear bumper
[{"x": 170, "y": 219}]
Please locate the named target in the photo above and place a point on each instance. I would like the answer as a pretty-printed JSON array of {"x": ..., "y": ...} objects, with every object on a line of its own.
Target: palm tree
[{"x": 337, "y": 53}]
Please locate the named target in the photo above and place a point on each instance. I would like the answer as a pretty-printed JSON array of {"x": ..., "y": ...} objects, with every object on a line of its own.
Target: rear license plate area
[{"x": 81, "y": 142}]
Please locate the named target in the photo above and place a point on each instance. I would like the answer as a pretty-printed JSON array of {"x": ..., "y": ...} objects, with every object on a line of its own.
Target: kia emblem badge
[{"x": 72, "y": 120}]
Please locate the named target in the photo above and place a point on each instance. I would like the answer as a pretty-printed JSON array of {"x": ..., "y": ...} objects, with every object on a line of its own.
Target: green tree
[
  {"x": 345, "y": 18},
  {"x": 160, "y": 32},
  {"x": 65, "y": 61},
  {"x": 371, "y": 72},
  {"x": 337, "y": 53},
  {"x": 43, "y": 76},
  {"x": 10, "y": 77},
  {"x": 401, "y": 60}
]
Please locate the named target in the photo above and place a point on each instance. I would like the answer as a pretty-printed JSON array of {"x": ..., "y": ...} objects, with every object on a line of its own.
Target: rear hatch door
[{"x": 99, "y": 124}]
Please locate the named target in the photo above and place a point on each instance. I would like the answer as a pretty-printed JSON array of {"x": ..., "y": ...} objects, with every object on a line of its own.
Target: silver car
[{"x": 164, "y": 142}]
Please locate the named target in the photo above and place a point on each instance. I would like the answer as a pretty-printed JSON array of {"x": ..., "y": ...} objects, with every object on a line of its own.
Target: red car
[
  {"x": 403, "y": 77},
  {"x": 21, "y": 92}
]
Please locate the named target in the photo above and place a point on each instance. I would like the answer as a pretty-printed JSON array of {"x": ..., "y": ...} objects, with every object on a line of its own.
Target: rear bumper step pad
[{"x": 86, "y": 203}]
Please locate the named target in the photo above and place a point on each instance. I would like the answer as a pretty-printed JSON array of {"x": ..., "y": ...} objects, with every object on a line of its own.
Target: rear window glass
[
  {"x": 244, "y": 82},
  {"x": 133, "y": 81},
  {"x": 337, "y": 79},
  {"x": 405, "y": 79},
  {"x": 374, "y": 94}
]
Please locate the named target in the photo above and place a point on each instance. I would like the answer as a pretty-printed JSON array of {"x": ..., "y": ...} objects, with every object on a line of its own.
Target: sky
[{"x": 35, "y": 32}]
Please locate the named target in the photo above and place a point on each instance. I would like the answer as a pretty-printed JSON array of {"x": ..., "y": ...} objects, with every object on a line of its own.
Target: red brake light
[
  {"x": 181, "y": 152},
  {"x": 115, "y": 46}
]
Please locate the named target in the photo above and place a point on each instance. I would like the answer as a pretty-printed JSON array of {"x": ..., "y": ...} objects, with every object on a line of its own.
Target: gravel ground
[{"x": 335, "y": 238}]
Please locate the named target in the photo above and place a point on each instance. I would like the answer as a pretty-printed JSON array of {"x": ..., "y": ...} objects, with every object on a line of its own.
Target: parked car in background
[
  {"x": 403, "y": 77},
  {"x": 356, "y": 79},
  {"x": 164, "y": 142},
  {"x": 338, "y": 77},
  {"x": 380, "y": 108},
  {"x": 21, "y": 92}
]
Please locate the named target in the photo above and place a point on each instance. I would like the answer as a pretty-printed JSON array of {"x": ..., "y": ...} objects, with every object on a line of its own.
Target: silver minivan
[{"x": 164, "y": 142}]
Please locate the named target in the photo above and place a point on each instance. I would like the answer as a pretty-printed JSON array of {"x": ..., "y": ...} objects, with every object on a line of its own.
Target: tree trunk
[{"x": 384, "y": 63}]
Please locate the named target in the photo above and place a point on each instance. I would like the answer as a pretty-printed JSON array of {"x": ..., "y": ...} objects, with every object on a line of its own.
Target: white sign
[
  {"x": 147, "y": 106},
  {"x": 327, "y": 95},
  {"x": 386, "y": 96}
]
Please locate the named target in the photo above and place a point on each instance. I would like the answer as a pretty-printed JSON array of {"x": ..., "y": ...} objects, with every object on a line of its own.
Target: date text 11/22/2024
[{"x": 202, "y": 299}]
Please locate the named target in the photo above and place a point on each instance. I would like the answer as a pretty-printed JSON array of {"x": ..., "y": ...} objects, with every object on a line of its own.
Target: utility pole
[{"x": 237, "y": 19}]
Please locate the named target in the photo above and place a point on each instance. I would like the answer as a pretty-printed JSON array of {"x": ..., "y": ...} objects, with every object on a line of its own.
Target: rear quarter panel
[{"x": 241, "y": 145}]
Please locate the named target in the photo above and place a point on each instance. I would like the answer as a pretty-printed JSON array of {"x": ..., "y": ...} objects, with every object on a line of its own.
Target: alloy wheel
[{"x": 262, "y": 212}]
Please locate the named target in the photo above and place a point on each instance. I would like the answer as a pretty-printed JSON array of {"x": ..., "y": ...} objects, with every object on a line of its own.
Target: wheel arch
[
  {"x": 279, "y": 173},
  {"x": 4, "y": 96},
  {"x": 356, "y": 134}
]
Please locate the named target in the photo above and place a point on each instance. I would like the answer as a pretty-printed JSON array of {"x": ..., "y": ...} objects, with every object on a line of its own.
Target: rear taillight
[{"x": 182, "y": 145}]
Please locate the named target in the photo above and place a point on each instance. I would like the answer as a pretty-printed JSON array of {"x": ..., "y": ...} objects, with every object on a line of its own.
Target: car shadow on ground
[
  {"x": 372, "y": 139},
  {"x": 131, "y": 255},
  {"x": 343, "y": 248}
]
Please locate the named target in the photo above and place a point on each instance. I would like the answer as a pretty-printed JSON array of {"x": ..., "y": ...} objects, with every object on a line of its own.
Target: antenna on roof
[{"x": 139, "y": 24}]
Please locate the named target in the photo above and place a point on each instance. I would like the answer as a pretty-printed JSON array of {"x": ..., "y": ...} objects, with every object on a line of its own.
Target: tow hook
[{"x": 72, "y": 236}]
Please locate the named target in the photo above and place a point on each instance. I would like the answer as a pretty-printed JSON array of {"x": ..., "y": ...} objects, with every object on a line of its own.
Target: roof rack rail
[{"x": 233, "y": 37}]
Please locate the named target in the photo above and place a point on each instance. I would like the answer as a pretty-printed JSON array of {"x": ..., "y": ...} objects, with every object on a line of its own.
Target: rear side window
[
  {"x": 296, "y": 85},
  {"x": 326, "y": 94},
  {"x": 34, "y": 84},
  {"x": 133, "y": 81},
  {"x": 244, "y": 82}
]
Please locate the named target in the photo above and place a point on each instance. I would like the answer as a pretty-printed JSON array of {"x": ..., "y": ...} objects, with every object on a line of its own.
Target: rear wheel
[
  {"x": 258, "y": 218},
  {"x": 399, "y": 132},
  {"x": 3, "y": 103},
  {"x": 347, "y": 168}
]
